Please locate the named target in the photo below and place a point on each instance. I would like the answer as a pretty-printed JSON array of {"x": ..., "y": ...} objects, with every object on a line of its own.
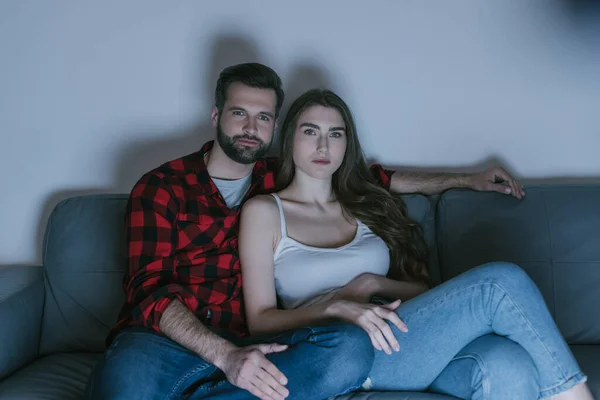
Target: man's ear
[{"x": 214, "y": 116}]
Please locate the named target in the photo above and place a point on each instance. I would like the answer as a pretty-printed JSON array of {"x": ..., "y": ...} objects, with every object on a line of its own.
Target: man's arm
[
  {"x": 161, "y": 303},
  {"x": 494, "y": 179},
  {"x": 242, "y": 366}
]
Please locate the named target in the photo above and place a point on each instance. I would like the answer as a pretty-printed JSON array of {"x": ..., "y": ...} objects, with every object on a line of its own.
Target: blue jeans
[
  {"x": 140, "y": 364},
  {"x": 451, "y": 321}
]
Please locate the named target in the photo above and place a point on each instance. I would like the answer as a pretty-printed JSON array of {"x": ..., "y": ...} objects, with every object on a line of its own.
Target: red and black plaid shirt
[{"x": 182, "y": 244}]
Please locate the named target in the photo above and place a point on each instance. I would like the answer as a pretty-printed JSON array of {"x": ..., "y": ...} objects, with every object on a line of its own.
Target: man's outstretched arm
[{"x": 494, "y": 179}]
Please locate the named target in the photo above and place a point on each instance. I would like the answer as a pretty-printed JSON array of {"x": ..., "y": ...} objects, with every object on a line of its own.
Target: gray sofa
[{"x": 55, "y": 317}]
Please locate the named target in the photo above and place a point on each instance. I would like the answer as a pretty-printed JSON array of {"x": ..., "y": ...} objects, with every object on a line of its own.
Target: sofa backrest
[
  {"x": 553, "y": 234},
  {"x": 85, "y": 259}
]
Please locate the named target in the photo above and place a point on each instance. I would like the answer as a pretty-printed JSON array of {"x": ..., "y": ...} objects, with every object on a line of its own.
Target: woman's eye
[
  {"x": 309, "y": 132},
  {"x": 336, "y": 134}
]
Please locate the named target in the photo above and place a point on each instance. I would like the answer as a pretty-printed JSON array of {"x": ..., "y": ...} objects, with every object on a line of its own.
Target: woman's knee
[
  {"x": 503, "y": 272},
  {"x": 502, "y": 366}
]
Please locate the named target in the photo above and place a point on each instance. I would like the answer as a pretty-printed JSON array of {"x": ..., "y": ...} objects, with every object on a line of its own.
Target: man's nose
[{"x": 250, "y": 126}]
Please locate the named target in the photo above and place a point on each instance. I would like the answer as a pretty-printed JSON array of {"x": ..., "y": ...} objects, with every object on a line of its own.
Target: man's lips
[{"x": 248, "y": 142}]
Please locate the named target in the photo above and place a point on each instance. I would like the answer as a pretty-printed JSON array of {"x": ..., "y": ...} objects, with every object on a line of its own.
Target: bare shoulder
[{"x": 263, "y": 206}]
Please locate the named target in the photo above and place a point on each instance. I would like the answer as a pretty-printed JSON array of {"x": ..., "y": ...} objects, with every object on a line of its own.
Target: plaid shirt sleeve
[
  {"x": 150, "y": 282},
  {"x": 382, "y": 176}
]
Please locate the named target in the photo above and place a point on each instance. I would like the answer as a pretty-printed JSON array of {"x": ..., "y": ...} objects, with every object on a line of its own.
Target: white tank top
[{"x": 305, "y": 275}]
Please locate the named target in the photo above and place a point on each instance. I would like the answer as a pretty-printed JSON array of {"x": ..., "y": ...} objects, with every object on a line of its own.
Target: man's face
[{"x": 246, "y": 124}]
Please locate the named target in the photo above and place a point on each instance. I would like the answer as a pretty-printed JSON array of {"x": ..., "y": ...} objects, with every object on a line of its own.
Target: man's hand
[
  {"x": 495, "y": 179},
  {"x": 249, "y": 369}
]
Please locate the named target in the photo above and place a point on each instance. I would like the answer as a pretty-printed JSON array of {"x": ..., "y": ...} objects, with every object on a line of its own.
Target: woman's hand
[
  {"x": 360, "y": 289},
  {"x": 372, "y": 319}
]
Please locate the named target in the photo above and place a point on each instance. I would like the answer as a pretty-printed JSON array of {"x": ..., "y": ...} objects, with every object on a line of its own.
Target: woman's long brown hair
[{"x": 358, "y": 192}]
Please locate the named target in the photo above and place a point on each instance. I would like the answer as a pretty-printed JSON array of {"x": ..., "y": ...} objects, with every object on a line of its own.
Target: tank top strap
[{"x": 281, "y": 215}]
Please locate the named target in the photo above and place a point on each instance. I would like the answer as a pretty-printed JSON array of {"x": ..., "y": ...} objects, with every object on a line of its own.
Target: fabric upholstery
[
  {"x": 84, "y": 256},
  {"x": 56, "y": 377},
  {"x": 395, "y": 396},
  {"x": 21, "y": 305},
  {"x": 588, "y": 357},
  {"x": 421, "y": 209}
]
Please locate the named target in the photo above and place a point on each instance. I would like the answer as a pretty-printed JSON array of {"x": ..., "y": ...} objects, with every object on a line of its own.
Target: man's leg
[
  {"x": 321, "y": 362},
  {"x": 490, "y": 364},
  {"x": 140, "y": 364}
]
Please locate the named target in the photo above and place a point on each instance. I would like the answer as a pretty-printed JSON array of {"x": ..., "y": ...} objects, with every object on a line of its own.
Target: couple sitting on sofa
[{"x": 324, "y": 236}]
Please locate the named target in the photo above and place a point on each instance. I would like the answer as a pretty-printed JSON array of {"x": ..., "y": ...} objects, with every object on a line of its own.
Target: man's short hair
[{"x": 250, "y": 74}]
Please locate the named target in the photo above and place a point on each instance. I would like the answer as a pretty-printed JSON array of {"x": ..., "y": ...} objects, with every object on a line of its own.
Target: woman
[{"x": 332, "y": 238}]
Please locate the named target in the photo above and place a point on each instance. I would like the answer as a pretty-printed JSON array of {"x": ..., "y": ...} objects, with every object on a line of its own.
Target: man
[{"x": 181, "y": 332}]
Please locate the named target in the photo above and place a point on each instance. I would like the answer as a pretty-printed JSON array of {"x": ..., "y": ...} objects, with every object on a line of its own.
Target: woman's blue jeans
[{"x": 454, "y": 321}]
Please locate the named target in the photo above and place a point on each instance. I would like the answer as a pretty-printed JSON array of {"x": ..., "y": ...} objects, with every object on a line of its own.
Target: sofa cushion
[
  {"x": 84, "y": 256},
  {"x": 421, "y": 209},
  {"x": 56, "y": 377},
  {"x": 588, "y": 357},
  {"x": 395, "y": 396},
  {"x": 21, "y": 306},
  {"x": 552, "y": 234}
]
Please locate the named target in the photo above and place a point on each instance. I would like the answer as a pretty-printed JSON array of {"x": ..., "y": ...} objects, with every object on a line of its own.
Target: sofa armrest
[{"x": 21, "y": 307}]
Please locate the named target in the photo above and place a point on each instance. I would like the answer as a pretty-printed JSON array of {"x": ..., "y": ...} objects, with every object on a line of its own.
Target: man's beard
[{"x": 238, "y": 153}]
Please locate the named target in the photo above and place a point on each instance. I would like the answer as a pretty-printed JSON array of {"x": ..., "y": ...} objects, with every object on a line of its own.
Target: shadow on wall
[
  {"x": 140, "y": 156},
  {"x": 583, "y": 19},
  {"x": 301, "y": 78}
]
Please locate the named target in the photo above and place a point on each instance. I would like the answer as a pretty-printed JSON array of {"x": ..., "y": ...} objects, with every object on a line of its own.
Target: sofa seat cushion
[
  {"x": 60, "y": 376},
  {"x": 64, "y": 377},
  {"x": 588, "y": 357},
  {"x": 395, "y": 396}
]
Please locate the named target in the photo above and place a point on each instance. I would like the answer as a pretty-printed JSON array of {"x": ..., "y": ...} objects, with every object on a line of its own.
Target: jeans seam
[
  {"x": 505, "y": 292},
  {"x": 350, "y": 389},
  {"x": 531, "y": 328},
  {"x": 186, "y": 376},
  {"x": 579, "y": 378},
  {"x": 485, "y": 385}
]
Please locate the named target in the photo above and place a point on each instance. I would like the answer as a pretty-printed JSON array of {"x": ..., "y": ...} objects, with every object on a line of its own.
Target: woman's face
[{"x": 319, "y": 142}]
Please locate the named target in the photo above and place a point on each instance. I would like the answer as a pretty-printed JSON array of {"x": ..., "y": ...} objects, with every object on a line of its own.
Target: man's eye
[
  {"x": 238, "y": 113},
  {"x": 264, "y": 118}
]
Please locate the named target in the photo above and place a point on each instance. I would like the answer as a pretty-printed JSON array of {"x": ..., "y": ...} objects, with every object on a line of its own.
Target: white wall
[{"x": 93, "y": 94}]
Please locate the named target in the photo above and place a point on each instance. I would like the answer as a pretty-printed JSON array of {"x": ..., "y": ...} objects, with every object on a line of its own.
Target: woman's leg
[
  {"x": 493, "y": 298},
  {"x": 490, "y": 364}
]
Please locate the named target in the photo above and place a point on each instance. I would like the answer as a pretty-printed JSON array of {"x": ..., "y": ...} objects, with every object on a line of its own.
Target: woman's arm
[
  {"x": 258, "y": 236},
  {"x": 364, "y": 287},
  {"x": 392, "y": 289}
]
